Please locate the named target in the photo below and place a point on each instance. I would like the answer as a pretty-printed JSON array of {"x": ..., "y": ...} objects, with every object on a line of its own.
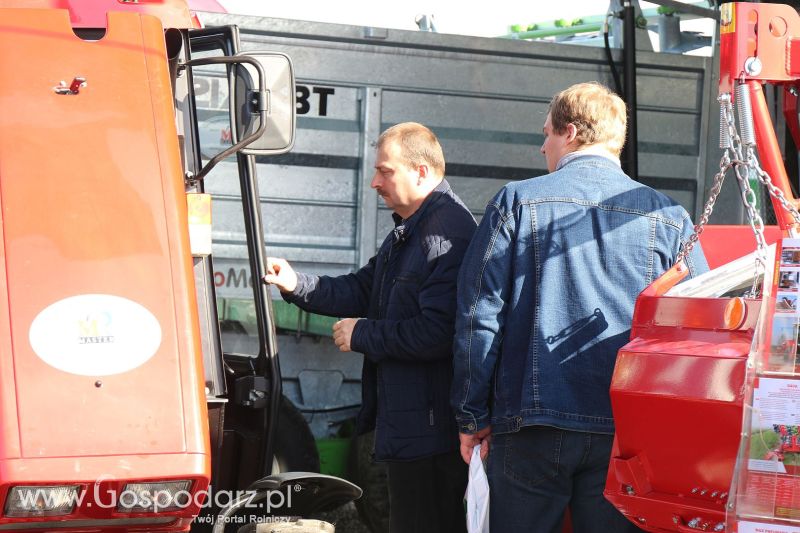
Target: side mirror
[{"x": 278, "y": 136}]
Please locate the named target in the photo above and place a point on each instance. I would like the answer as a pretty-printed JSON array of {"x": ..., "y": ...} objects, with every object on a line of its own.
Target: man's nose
[
  {"x": 541, "y": 149},
  {"x": 375, "y": 180}
]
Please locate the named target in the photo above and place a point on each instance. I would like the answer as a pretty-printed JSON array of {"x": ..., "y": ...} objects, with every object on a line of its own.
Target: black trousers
[{"x": 427, "y": 495}]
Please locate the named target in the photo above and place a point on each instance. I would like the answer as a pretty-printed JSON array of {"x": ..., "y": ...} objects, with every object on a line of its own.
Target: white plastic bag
[{"x": 477, "y": 495}]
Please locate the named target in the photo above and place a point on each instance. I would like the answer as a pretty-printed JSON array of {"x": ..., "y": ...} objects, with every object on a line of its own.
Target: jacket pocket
[
  {"x": 403, "y": 299},
  {"x": 407, "y": 277}
]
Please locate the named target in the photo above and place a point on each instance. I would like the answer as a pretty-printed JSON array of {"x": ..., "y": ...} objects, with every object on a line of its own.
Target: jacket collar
[
  {"x": 595, "y": 151},
  {"x": 403, "y": 228}
]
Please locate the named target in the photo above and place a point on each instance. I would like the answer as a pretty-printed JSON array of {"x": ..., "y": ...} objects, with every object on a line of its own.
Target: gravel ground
[{"x": 346, "y": 520}]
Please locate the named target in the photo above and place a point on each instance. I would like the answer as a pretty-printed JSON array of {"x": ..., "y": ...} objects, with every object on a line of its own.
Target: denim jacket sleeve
[
  {"x": 429, "y": 335},
  {"x": 483, "y": 289},
  {"x": 341, "y": 296}
]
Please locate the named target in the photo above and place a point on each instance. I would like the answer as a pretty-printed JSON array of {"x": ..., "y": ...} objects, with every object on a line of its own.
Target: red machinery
[
  {"x": 115, "y": 397},
  {"x": 88, "y": 341},
  {"x": 681, "y": 385}
]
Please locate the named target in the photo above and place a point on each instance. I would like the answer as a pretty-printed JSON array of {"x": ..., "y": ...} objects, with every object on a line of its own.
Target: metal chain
[
  {"x": 751, "y": 204},
  {"x": 774, "y": 191},
  {"x": 719, "y": 178},
  {"x": 756, "y": 223},
  {"x": 725, "y": 164},
  {"x": 742, "y": 168},
  {"x": 748, "y": 195},
  {"x": 742, "y": 159}
]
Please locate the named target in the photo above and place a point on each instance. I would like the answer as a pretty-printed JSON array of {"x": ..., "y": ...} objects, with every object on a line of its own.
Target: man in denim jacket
[
  {"x": 545, "y": 301},
  {"x": 407, "y": 294}
]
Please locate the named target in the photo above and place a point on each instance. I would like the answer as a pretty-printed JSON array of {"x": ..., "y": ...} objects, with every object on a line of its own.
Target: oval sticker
[{"x": 95, "y": 335}]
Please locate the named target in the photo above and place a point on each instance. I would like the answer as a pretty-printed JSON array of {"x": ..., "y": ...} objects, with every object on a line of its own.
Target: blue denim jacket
[{"x": 546, "y": 295}]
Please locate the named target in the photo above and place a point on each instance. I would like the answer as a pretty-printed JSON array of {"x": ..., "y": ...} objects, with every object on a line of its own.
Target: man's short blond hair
[
  {"x": 598, "y": 114},
  {"x": 418, "y": 145}
]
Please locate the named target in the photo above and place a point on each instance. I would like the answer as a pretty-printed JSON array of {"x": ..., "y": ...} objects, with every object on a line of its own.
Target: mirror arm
[{"x": 262, "y": 106}]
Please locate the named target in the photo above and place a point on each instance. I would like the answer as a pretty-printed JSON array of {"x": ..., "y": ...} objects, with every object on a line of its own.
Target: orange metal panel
[{"x": 93, "y": 211}]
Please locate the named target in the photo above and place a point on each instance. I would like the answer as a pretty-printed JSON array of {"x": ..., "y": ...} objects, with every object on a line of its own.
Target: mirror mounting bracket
[
  {"x": 259, "y": 101},
  {"x": 261, "y": 98}
]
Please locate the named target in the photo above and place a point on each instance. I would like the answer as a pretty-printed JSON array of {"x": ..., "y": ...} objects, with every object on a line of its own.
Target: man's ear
[
  {"x": 424, "y": 171},
  {"x": 572, "y": 132}
]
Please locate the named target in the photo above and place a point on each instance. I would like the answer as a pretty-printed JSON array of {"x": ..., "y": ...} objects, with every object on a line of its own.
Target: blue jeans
[{"x": 535, "y": 473}]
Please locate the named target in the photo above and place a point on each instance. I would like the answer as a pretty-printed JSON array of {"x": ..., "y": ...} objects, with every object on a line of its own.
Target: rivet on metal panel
[
  {"x": 629, "y": 490},
  {"x": 641, "y": 520},
  {"x": 694, "y": 522},
  {"x": 694, "y": 490},
  {"x": 723, "y": 495},
  {"x": 675, "y": 519},
  {"x": 714, "y": 494},
  {"x": 719, "y": 527},
  {"x": 703, "y": 492},
  {"x": 752, "y": 65}
]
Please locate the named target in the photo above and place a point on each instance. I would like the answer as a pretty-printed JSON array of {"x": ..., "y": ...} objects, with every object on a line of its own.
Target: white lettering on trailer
[{"x": 95, "y": 335}]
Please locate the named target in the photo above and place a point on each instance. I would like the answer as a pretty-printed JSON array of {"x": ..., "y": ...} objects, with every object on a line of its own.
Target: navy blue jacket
[{"x": 407, "y": 295}]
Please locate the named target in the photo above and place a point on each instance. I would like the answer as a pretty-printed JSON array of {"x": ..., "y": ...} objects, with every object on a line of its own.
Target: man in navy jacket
[{"x": 401, "y": 312}]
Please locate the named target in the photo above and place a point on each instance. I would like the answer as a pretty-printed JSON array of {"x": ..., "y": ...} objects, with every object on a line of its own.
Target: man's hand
[
  {"x": 343, "y": 332},
  {"x": 469, "y": 441},
  {"x": 281, "y": 274}
]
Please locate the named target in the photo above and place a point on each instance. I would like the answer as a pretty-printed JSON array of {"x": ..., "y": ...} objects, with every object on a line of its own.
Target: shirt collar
[
  {"x": 403, "y": 227},
  {"x": 589, "y": 150}
]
